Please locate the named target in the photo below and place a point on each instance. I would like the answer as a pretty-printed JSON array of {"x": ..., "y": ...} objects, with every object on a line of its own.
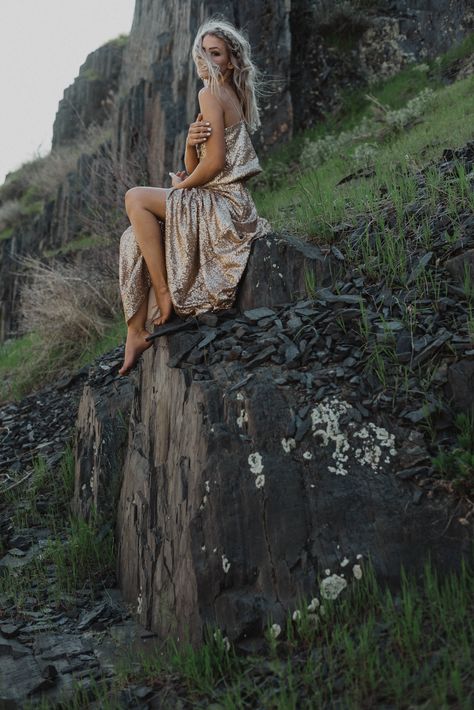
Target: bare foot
[
  {"x": 166, "y": 307},
  {"x": 134, "y": 347}
]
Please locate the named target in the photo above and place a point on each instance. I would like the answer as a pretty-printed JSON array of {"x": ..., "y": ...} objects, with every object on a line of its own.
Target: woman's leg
[
  {"x": 144, "y": 205},
  {"x": 136, "y": 334}
]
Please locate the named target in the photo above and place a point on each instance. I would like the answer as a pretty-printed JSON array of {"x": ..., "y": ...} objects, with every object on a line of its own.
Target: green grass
[
  {"x": 85, "y": 241},
  {"x": 6, "y": 233},
  {"x": 369, "y": 647},
  {"x": 315, "y": 203},
  {"x": 22, "y": 371},
  {"x": 78, "y": 552},
  {"x": 457, "y": 464}
]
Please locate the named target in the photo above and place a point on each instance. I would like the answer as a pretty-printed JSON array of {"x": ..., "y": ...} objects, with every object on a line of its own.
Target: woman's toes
[{"x": 135, "y": 345}]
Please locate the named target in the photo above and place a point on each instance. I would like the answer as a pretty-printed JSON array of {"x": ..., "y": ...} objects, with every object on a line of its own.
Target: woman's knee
[{"x": 132, "y": 197}]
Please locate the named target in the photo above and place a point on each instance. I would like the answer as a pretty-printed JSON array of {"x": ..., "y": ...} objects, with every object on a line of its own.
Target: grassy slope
[
  {"x": 368, "y": 648},
  {"x": 312, "y": 201}
]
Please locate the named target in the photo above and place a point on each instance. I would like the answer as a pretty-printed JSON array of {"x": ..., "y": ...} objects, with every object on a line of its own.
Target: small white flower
[
  {"x": 260, "y": 481},
  {"x": 275, "y": 630},
  {"x": 322, "y": 610},
  {"x": 359, "y": 556},
  {"x": 308, "y": 455},
  {"x": 225, "y": 564},
  {"x": 226, "y": 643},
  {"x": 344, "y": 562},
  {"x": 296, "y": 615},
  {"x": 332, "y": 586},
  {"x": 314, "y": 604},
  {"x": 357, "y": 571},
  {"x": 327, "y": 571}
]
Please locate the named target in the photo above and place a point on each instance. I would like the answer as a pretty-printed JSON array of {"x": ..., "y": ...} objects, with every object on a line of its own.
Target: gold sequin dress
[{"x": 208, "y": 233}]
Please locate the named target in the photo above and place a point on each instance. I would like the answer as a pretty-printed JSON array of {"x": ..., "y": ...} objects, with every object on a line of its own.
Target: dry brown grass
[
  {"x": 68, "y": 306},
  {"x": 10, "y": 212}
]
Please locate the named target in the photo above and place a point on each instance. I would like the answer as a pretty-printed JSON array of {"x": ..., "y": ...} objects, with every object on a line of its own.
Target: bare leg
[
  {"x": 149, "y": 238},
  {"x": 136, "y": 334}
]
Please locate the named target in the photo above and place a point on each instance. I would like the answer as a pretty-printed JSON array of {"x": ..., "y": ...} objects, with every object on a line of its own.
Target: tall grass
[{"x": 369, "y": 647}]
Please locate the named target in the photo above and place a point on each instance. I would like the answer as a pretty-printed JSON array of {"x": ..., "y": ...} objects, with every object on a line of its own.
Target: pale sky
[{"x": 42, "y": 45}]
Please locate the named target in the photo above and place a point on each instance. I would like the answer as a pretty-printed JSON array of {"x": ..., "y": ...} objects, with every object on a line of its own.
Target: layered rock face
[
  {"x": 90, "y": 98},
  {"x": 296, "y": 45},
  {"x": 251, "y": 478}
]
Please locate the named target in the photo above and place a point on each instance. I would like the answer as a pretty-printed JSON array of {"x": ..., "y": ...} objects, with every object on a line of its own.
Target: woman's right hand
[{"x": 198, "y": 131}]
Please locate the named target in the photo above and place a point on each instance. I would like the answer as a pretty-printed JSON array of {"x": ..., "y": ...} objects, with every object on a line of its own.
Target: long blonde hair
[{"x": 246, "y": 78}]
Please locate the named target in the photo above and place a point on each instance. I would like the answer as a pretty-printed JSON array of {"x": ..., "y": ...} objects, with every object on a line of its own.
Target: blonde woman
[{"x": 188, "y": 245}]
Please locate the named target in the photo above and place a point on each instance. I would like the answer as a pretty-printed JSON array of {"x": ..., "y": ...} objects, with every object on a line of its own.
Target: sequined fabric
[{"x": 208, "y": 233}]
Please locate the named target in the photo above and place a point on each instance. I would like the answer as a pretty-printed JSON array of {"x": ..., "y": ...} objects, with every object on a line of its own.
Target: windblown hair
[{"x": 246, "y": 78}]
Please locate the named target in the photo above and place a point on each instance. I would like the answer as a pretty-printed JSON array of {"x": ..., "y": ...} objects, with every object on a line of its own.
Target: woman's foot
[
  {"x": 134, "y": 346},
  {"x": 165, "y": 305}
]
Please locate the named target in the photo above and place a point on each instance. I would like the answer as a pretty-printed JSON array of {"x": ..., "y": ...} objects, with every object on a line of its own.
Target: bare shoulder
[
  {"x": 211, "y": 107},
  {"x": 206, "y": 96}
]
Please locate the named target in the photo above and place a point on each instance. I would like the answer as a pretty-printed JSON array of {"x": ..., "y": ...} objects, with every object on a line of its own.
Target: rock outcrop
[
  {"x": 264, "y": 462},
  {"x": 91, "y": 96},
  {"x": 155, "y": 87}
]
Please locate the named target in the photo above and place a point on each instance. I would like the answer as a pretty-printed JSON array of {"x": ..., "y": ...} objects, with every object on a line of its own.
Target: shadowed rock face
[
  {"x": 224, "y": 518},
  {"x": 89, "y": 99},
  {"x": 155, "y": 89},
  {"x": 245, "y": 485}
]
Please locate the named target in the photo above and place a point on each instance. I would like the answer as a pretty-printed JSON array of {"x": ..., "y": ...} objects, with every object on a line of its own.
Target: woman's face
[{"x": 217, "y": 53}]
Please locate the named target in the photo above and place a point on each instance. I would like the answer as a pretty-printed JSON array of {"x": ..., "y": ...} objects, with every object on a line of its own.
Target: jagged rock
[
  {"x": 461, "y": 268},
  {"x": 275, "y": 272},
  {"x": 460, "y": 388},
  {"x": 204, "y": 539},
  {"x": 89, "y": 98},
  {"x": 101, "y": 435}
]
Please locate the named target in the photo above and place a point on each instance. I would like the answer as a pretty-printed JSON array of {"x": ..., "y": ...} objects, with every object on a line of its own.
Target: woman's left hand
[{"x": 178, "y": 177}]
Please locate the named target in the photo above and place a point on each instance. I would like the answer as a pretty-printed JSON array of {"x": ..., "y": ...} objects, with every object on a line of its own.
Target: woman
[{"x": 188, "y": 245}]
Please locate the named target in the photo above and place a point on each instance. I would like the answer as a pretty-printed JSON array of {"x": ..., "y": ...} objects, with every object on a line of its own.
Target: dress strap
[{"x": 239, "y": 107}]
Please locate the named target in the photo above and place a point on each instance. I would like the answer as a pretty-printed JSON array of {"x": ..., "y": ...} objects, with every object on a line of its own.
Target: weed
[{"x": 457, "y": 464}]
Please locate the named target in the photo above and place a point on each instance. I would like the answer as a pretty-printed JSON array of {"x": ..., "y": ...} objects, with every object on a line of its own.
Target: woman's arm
[
  {"x": 214, "y": 160},
  {"x": 191, "y": 161}
]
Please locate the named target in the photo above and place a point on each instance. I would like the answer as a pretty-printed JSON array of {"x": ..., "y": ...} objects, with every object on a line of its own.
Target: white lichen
[
  {"x": 357, "y": 571},
  {"x": 344, "y": 562},
  {"x": 332, "y": 586},
  {"x": 225, "y": 564},
  {"x": 288, "y": 445},
  {"x": 255, "y": 463},
  {"x": 239, "y": 396},
  {"x": 207, "y": 486},
  {"x": 260, "y": 481},
  {"x": 242, "y": 419},
  {"x": 139, "y": 603},
  {"x": 308, "y": 455},
  {"x": 325, "y": 419}
]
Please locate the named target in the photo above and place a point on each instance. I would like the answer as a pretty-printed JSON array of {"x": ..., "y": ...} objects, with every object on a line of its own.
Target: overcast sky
[{"x": 42, "y": 45}]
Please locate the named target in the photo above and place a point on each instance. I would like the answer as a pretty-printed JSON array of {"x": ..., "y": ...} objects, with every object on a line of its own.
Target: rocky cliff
[
  {"x": 90, "y": 98},
  {"x": 297, "y": 44},
  {"x": 262, "y": 463}
]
